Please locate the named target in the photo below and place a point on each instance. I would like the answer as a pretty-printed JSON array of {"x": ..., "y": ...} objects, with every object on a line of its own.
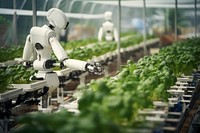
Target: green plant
[
  {"x": 85, "y": 53},
  {"x": 16, "y": 74},
  {"x": 10, "y": 53},
  {"x": 111, "y": 104},
  {"x": 4, "y": 21}
]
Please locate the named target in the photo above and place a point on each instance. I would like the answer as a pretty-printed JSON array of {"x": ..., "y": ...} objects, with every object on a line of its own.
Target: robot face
[
  {"x": 57, "y": 18},
  {"x": 108, "y": 15},
  {"x": 67, "y": 25}
]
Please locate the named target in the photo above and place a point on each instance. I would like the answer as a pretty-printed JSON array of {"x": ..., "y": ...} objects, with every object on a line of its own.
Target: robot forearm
[
  {"x": 100, "y": 34},
  {"x": 116, "y": 35},
  {"x": 58, "y": 49},
  {"x": 75, "y": 64},
  {"x": 82, "y": 65},
  {"x": 28, "y": 50}
]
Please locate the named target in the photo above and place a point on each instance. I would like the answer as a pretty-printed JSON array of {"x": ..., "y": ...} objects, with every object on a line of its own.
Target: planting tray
[
  {"x": 63, "y": 72},
  {"x": 7, "y": 63},
  {"x": 31, "y": 87},
  {"x": 10, "y": 94}
]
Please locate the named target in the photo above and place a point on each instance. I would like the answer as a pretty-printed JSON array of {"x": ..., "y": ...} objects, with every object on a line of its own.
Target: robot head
[
  {"x": 108, "y": 15},
  {"x": 57, "y": 18}
]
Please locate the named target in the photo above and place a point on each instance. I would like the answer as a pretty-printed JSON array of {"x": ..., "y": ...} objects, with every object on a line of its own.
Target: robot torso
[
  {"x": 108, "y": 30},
  {"x": 40, "y": 40}
]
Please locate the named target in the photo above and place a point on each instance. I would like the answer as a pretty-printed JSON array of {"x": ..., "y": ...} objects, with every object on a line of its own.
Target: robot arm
[
  {"x": 57, "y": 49},
  {"x": 115, "y": 34},
  {"x": 100, "y": 34},
  {"x": 28, "y": 51},
  {"x": 84, "y": 66},
  {"x": 72, "y": 63}
]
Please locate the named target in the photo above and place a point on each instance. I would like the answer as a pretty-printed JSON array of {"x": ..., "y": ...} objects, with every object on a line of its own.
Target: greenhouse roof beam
[
  {"x": 149, "y": 4},
  {"x": 164, "y": 1},
  {"x": 7, "y": 11}
]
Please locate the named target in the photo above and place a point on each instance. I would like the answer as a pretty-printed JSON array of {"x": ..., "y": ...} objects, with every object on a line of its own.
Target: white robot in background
[
  {"x": 40, "y": 44},
  {"x": 108, "y": 30}
]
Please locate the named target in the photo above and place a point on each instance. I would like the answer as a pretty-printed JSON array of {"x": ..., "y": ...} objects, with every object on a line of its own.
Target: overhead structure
[
  {"x": 152, "y": 3},
  {"x": 175, "y": 20},
  {"x": 195, "y": 18},
  {"x": 145, "y": 26},
  {"x": 119, "y": 31},
  {"x": 43, "y": 13},
  {"x": 175, "y": 4},
  {"x": 92, "y": 10},
  {"x": 34, "y": 5}
]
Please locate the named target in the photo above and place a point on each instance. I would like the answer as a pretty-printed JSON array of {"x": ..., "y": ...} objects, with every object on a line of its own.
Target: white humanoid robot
[
  {"x": 108, "y": 30},
  {"x": 40, "y": 44}
]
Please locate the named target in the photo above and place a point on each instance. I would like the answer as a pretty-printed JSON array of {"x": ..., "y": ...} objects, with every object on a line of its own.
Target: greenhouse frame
[{"x": 91, "y": 66}]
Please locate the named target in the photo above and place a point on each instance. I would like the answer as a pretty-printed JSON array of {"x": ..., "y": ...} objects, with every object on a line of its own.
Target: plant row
[
  {"x": 16, "y": 74},
  {"x": 111, "y": 104},
  {"x": 84, "y": 42},
  {"x": 10, "y": 53},
  {"x": 13, "y": 74},
  {"x": 102, "y": 48}
]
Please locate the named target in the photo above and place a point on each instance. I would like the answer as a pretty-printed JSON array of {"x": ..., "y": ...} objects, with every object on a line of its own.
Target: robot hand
[
  {"x": 27, "y": 64},
  {"x": 95, "y": 68}
]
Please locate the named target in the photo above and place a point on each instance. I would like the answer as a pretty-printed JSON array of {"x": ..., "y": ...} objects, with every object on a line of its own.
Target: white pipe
[
  {"x": 144, "y": 26},
  {"x": 34, "y": 4},
  {"x": 92, "y": 8},
  {"x": 119, "y": 31},
  {"x": 175, "y": 19},
  {"x": 195, "y": 18},
  {"x": 71, "y": 5},
  {"x": 83, "y": 6},
  {"x": 7, "y": 11},
  {"x": 149, "y": 4},
  {"x": 58, "y": 3},
  {"x": 14, "y": 23}
]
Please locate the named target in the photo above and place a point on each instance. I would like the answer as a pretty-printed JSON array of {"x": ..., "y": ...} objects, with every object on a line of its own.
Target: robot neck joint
[{"x": 51, "y": 26}]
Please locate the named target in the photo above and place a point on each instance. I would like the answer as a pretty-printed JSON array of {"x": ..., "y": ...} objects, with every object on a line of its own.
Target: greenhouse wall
[{"x": 159, "y": 20}]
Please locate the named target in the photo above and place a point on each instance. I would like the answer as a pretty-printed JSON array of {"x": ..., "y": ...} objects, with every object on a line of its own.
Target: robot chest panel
[
  {"x": 40, "y": 37},
  {"x": 108, "y": 27}
]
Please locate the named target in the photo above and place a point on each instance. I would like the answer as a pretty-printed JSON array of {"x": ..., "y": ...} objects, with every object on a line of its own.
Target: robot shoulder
[
  {"x": 41, "y": 31},
  {"x": 108, "y": 27},
  {"x": 41, "y": 35},
  {"x": 108, "y": 24}
]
